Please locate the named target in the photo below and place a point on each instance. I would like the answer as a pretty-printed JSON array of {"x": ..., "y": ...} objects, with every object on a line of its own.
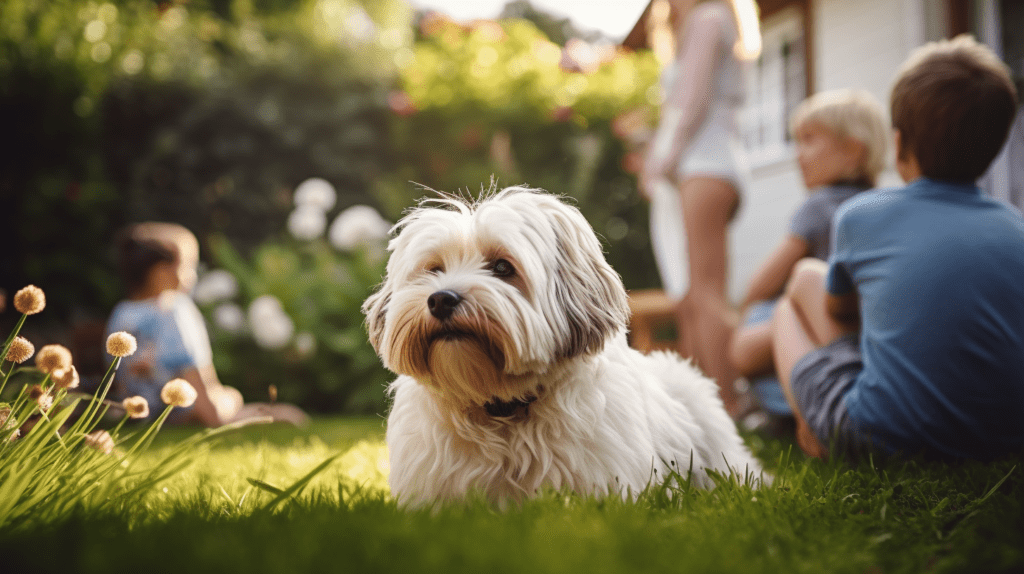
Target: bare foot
[
  {"x": 808, "y": 442},
  {"x": 280, "y": 412}
]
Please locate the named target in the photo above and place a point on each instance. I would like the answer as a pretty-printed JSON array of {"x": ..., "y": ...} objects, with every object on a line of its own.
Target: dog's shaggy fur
[{"x": 507, "y": 329}]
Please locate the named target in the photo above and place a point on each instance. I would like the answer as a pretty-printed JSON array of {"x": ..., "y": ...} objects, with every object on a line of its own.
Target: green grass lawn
[{"x": 816, "y": 517}]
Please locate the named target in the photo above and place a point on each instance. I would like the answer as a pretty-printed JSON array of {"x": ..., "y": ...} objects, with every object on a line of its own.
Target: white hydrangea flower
[
  {"x": 305, "y": 344},
  {"x": 307, "y": 222},
  {"x": 216, "y": 285},
  {"x": 272, "y": 328},
  {"x": 316, "y": 192},
  {"x": 357, "y": 226},
  {"x": 229, "y": 317}
]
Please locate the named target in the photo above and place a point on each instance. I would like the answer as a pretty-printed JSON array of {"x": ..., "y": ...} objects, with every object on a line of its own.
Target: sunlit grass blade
[
  {"x": 302, "y": 482},
  {"x": 277, "y": 491}
]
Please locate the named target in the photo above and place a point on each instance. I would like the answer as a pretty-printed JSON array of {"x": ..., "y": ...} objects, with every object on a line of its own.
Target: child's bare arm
[
  {"x": 203, "y": 411},
  {"x": 772, "y": 275}
]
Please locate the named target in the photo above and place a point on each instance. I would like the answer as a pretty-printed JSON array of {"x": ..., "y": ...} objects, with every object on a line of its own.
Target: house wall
[{"x": 856, "y": 44}]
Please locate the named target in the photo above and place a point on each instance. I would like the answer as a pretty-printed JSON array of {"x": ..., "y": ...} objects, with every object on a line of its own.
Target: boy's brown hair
[
  {"x": 140, "y": 246},
  {"x": 953, "y": 104}
]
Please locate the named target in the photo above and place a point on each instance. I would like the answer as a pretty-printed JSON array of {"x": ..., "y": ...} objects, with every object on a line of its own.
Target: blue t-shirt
[
  {"x": 171, "y": 336},
  {"x": 939, "y": 271}
]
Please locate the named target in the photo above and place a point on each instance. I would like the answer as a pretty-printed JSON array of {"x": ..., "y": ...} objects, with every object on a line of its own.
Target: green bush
[
  {"x": 230, "y": 116},
  {"x": 323, "y": 361},
  {"x": 117, "y": 112},
  {"x": 487, "y": 99}
]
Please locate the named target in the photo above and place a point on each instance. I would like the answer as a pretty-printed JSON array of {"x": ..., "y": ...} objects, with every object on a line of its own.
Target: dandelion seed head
[
  {"x": 42, "y": 398},
  {"x": 121, "y": 344},
  {"x": 100, "y": 440},
  {"x": 178, "y": 393},
  {"x": 53, "y": 357},
  {"x": 21, "y": 350},
  {"x": 136, "y": 407},
  {"x": 66, "y": 378},
  {"x": 30, "y": 300}
]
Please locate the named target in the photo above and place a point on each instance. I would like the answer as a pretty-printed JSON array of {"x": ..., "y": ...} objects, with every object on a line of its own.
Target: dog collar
[{"x": 498, "y": 408}]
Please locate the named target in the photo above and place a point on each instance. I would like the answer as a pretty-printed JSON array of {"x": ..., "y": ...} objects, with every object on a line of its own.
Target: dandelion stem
[
  {"x": 14, "y": 333},
  {"x": 148, "y": 436},
  {"x": 117, "y": 429},
  {"x": 86, "y": 421},
  {"x": 56, "y": 401},
  {"x": 7, "y": 375}
]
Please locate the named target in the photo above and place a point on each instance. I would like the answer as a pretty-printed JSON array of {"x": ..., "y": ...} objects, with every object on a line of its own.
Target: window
[{"x": 776, "y": 84}]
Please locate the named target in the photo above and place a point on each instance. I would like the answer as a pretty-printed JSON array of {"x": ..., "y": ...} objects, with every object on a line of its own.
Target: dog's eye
[
  {"x": 502, "y": 268},
  {"x": 435, "y": 269}
]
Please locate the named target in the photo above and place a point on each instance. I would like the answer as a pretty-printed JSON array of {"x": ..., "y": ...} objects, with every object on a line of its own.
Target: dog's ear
[
  {"x": 587, "y": 290},
  {"x": 375, "y": 308}
]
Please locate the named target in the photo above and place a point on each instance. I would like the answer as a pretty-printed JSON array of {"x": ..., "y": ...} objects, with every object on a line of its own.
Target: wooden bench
[{"x": 651, "y": 310}]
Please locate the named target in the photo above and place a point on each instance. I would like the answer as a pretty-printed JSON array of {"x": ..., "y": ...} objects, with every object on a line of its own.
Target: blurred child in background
[
  {"x": 158, "y": 262},
  {"x": 841, "y": 140}
]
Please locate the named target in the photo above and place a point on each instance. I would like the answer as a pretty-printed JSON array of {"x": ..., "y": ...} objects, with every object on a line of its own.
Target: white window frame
[{"x": 776, "y": 82}]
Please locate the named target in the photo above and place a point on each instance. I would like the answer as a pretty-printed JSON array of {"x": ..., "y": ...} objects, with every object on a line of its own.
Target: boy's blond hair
[
  {"x": 854, "y": 114},
  {"x": 953, "y": 103}
]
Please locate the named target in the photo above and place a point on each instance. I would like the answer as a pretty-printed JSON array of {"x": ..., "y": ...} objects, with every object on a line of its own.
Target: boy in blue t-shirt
[{"x": 911, "y": 340}]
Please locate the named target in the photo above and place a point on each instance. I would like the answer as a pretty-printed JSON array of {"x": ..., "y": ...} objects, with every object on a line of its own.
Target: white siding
[
  {"x": 860, "y": 44},
  {"x": 764, "y": 216},
  {"x": 857, "y": 44}
]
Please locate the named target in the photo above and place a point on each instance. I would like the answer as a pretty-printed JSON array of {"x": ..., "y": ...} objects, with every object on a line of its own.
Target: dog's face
[{"x": 479, "y": 298}]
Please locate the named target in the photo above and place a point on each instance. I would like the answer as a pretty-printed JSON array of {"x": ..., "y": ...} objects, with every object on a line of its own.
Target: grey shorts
[{"x": 820, "y": 381}]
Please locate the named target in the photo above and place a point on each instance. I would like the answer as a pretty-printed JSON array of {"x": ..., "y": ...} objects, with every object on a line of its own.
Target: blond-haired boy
[{"x": 841, "y": 138}]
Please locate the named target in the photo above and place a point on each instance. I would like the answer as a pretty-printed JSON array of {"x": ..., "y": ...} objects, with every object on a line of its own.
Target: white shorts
[{"x": 716, "y": 151}]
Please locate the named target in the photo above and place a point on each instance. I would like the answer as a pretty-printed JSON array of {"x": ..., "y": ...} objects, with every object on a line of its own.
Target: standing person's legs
[
  {"x": 801, "y": 325},
  {"x": 706, "y": 317}
]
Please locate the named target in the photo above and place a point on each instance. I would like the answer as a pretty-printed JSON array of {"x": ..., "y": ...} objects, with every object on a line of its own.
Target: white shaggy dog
[{"x": 508, "y": 330}]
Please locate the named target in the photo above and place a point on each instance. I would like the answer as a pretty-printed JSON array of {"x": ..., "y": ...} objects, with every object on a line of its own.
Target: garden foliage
[
  {"x": 486, "y": 99},
  {"x": 209, "y": 114},
  {"x": 124, "y": 111}
]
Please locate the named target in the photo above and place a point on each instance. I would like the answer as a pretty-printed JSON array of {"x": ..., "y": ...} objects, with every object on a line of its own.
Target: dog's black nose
[{"x": 443, "y": 303}]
